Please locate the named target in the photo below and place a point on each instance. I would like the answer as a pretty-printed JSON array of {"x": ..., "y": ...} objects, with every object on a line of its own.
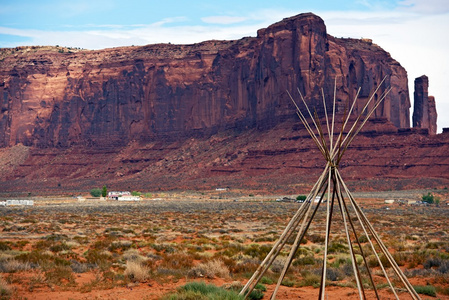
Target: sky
[{"x": 414, "y": 32}]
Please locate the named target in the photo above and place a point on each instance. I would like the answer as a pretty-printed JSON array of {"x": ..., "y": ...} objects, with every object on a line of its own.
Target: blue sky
[{"x": 413, "y": 31}]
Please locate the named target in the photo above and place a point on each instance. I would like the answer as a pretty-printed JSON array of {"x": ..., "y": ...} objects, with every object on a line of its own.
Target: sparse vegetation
[
  {"x": 210, "y": 269},
  {"x": 136, "y": 271},
  {"x": 122, "y": 244},
  {"x": 201, "y": 290},
  {"x": 5, "y": 290},
  {"x": 426, "y": 290},
  {"x": 430, "y": 198},
  {"x": 95, "y": 192}
]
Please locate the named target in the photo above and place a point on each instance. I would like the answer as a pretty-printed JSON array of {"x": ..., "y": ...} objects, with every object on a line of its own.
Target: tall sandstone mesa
[
  {"x": 424, "y": 109},
  {"x": 165, "y": 91}
]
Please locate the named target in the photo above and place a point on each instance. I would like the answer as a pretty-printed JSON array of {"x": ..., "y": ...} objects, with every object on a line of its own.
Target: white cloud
[
  {"x": 20, "y": 32},
  {"x": 425, "y": 6},
  {"x": 223, "y": 20}
]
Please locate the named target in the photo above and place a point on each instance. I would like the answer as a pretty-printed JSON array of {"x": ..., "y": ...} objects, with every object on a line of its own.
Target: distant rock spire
[{"x": 424, "y": 109}]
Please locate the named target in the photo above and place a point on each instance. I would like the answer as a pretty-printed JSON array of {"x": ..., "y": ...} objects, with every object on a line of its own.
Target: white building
[
  {"x": 14, "y": 202},
  {"x": 116, "y": 195},
  {"x": 128, "y": 198}
]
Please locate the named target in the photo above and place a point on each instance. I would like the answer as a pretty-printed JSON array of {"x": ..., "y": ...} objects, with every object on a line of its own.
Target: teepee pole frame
[
  {"x": 330, "y": 186},
  {"x": 288, "y": 231}
]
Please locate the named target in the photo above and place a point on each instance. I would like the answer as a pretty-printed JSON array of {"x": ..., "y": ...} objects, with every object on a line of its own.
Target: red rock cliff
[
  {"x": 424, "y": 109},
  {"x": 112, "y": 96}
]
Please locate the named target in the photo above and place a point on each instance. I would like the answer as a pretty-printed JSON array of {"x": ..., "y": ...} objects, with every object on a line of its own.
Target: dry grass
[
  {"x": 133, "y": 255},
  {"x": 5, "y": 290},
  {"x": 12, "y": 265},
  {"x": 169, "y": 241},
  {"x": 210, "y": 269},
  {"x": 136, "y": 272}
]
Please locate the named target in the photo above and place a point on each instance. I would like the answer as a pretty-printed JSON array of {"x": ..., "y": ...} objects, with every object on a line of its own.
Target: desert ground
[{"x": 62, "y": 248}]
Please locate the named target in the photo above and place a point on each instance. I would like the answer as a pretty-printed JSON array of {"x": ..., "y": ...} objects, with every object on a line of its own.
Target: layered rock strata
[
  {"x": 164, "y": 91},
  {"x": 424, "y": 109},
  {"x": 282, "y": 159},
  {"x": 211, "y": 114}
]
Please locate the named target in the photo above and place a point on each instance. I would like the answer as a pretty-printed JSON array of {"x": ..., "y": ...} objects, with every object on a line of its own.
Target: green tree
[
  {"x": 95, "y": 192},
  {"x": 301, "y": 197},
  {"x": 430, "y": 198},
  {"x": 104, "y": 191}
]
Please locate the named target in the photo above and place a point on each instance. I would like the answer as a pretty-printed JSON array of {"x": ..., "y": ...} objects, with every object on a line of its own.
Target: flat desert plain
[{"x": 66, "y": 249}]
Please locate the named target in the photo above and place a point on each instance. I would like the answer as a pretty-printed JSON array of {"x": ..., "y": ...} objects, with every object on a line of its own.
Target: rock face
[
  {"x": 211, "y": 114},
  {"x": 424, "y": 109},
  {"x": 281, "y": 159},
  {"x": 170, "y": 92}
]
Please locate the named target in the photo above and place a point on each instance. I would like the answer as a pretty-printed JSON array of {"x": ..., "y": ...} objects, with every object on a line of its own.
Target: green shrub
[
  {"x": 316, "y": 238},
  {"x": 22, "y": 243},
  {"x": 430, "y": 198},
  {"x": 363, "y": 239},
  {"x": 303, "y": 261},
  {"x": 266, "y": 280},
  {"x": 95, "y": 192},
  {"x": 134, "y": 193},
  {"x": 337, "y": 248},
  {"x": 255, "y": 295},
  {"x": 56, "y": 237},
  {"x": 374, "y": 262},
  {"x": 59, "y": 247},
  {"x": 301, "y": 197},
  {"x": 260, "y": 287},
  {"x": 426, "y": 290},
  {"x": 97, "y": 257},
  {"x": 443, "y": 290},
  {"x": 60, "y": 275},
  {"x": 36, "y": 257},
  {"x": 203, "y": 291},
  {"x": 176, "y": 261},
  {"x": 120, "y": 245},
  {"x": 311, "y": 279},
  {"x": 257, "y": 251},
  {"x": 287, "y": 282},
  {"x": 4, "y": 246}
]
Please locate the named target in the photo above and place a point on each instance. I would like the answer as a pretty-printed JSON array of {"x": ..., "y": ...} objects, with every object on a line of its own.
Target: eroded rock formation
[
  {"x": 164, "y": 91},
  {"x": 424, "y": 109},
  {"x": 282, "y": 159},
  {"x": 211, "y": 114}
]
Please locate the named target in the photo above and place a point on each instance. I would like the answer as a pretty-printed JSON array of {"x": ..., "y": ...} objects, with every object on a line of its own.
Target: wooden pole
[
  {"x": 384, "y": 249},
  {"x": 371, "y": 243},
  {"x": 294, "y": 222},
  {"x": 341, "y": 200},
  {"x": 301, "y": 233},
  {"x": 351, "y": 251},
  {"x": 329, "y": 180}
]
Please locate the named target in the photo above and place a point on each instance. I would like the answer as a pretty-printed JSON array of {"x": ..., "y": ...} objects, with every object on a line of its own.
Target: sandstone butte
[{"x": 206, "y": 115}]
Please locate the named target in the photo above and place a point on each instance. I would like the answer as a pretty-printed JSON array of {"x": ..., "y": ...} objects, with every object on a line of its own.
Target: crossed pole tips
[{"x": 332, "y": 190}]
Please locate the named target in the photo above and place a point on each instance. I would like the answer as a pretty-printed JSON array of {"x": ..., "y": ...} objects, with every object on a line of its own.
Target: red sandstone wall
[{"x": 159, "y": 92}]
